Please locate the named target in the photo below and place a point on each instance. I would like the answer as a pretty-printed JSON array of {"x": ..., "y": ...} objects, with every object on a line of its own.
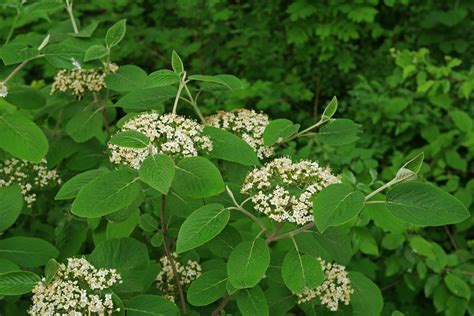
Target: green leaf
[
  {"x": 392, "y": 241},
  {"x": 146, "y": 99},
  {"x": 161, "y": 78},
  {"x": 277, "y": 130},
  {"x": 208, "y": 288},
  {"x": 18, "y": 282},
  {"x": 222, "y": 82},
  {"x": 116, "y": 33},
  {"x": 411, "y": 168},
  {"x": 457, "y": 286},
  {"x": 25, "y": 97},
  {"x": 461, "y": 119},
  {"x": 95, "y": 52},
  {"x": 148, "y": 223},
  {"x": 227, "y": 146},
  {"x": 11, "y": 203},
  {"x": 301, "y": 271},
  {"x": 252, "y": 302},
  {"x": 126, "y": 79},
  {"x": 130, "y": 139},
  {"x": 424, "y": 204},
  {"x": 151, "y": 305},
  {"x": 367, "y": 299},
  {"x": 422, "y": 247},
  {"x": 330, "y": 109},
  {"x": 218, "y": 82},
  {"x": 15, "y": 53},
  {"x": 27, "y": 251},
  {"x": 86, "y": 31},
  {"x": 124, "y": 228},
  {"x": 50, "y": 270},
  {"x": 176, "y": 63},
  {"x": 158, "y": 172},
  {"x": 336, "y": 205},
  {"x": 201, "y": 226},
  {"x": 84, "y": 125},
  {"x": 22, "y": 138},
  {"x": 339, "y": 132},
  {"x": 71, "y": 188},
  {"x": 106, "y": 194},
  {"x": 248, "y": 263},
  {"x": 129, "y": 257},
  {"x": 197, "y": 177}
]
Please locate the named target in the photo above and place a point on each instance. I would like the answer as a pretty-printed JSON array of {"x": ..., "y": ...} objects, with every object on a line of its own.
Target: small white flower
[
  {"x": 76, "y": 64},
  {"x": 76, "y": 289},
  {"x": 165, "y": 280},
  {"x": 283, "y": 190},
  {"x": 169, "y": 134},
  {"x": 247, "y": 124},
  {"x": 29, "y": 176},
  {"x": 3, "y": 90},
  {"x": 335, "y": 289}
]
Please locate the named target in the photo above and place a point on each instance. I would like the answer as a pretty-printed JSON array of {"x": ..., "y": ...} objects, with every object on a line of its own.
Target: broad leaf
[
  {"x": 130, "y": 139},
  {"x": 201, "y": 226},
  {"x": 127, "y": 78},
  {"x": 367, "y": 298},
  {"x": 27, "y": 251},
  {"x": 197, "y": 177},
  {"x": 115, "y": 33},
  {"x": 424, "y": 204},
  {"x": 339, "y": 132},
  {"x": 208, "y": 288},
  {"x": 146, "y": 99},
  {"x": 278, "y": 130},
  {"x": 70, "y": 188},
  {"x": 161, "y": 78},
  {"x": 247, "y": 263},
  {"x": 84, "y": 125},
  {"x": 252, "y": 302},
  {"x": 151, "y": 305},
  {"x": 227, "y": 146},
  {"x": 176, "y": 62},
  {"x": 336, "y": 205},
  {"x": 330, "y": 109},
  {"x": 106, "y": 194},
  {"x": 17, "y": 282},
  {"x": 22, "y": 138},
  {"x": 95, "y": 52},
  {"x": 11, "y": 203},
  {"x": 301, "y": 271},
  {"x": 158, "y": 172}
]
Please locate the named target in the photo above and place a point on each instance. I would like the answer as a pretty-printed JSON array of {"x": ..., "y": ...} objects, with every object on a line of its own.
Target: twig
[
  {"x": 10, "y": 33},
  {"x": 293, "y": 232},
  {"x": 14, "y": 71},
  {"x": 221, "y": 306},
  {"x": 178, "y": 96},
  {"x": 194, "y": 105},
  {"x": 68, "y": 7},
  {"x": 164, "y": 228},
  {"x": 274, "y": 232},
  {"x": 453, "y": 243}
]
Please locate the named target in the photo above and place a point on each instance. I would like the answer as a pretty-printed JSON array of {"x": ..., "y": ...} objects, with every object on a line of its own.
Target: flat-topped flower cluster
[
  {"x": 335, "y": 289},
  {"x": 79, "y": 81},
  {"x": 169, "y": 134},
  {"x": 28, "y": 176},
  {"x": 78, "y": 288},
  {"x": 283, "y": 190},
  {"x": 248, "y": 125},
  {"x": 165, "y": 280}
]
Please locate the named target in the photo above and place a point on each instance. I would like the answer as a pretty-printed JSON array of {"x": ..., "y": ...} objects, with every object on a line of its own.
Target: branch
[{"x": 164, "y": 227}]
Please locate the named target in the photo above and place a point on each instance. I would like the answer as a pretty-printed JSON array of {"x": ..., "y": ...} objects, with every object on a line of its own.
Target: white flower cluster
[
  {"x": 165, "y": 280},
  {"x": 247, "y": 124},
  {"x": 335, "y": 289},
  {"x": 169, "y": 134},
  {"x": 3, "y": 90},
  {"x": 78, "y": 81},
  {"x": 283, "y": 190},
  {"x": 29, "y": 176},
  {"x": 77, "y": 289}
]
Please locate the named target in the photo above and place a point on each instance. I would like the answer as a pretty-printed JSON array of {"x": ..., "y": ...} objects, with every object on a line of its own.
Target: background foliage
[{"x": 402, "y": 69}]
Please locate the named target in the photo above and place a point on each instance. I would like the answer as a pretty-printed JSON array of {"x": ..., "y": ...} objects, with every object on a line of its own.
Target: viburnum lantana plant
[{"x": 163, "y": 210}]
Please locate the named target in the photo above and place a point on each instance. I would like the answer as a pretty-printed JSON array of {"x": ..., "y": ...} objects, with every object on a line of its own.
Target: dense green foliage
[{"x": 404, "y": 82}]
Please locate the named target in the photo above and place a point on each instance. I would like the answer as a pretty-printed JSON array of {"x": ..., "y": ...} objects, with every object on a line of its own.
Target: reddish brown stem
[{"x": 164, "y": 228}]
